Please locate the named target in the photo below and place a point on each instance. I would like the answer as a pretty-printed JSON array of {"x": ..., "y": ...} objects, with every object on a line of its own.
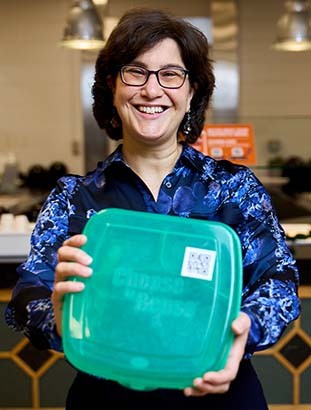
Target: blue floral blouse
[{"x": 198, "y": 187}]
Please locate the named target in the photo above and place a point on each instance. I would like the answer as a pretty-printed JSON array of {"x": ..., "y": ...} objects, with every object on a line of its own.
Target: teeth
[{"x": 150, "y": 110}]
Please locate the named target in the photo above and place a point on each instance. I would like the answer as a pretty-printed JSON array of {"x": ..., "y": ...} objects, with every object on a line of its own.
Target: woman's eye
[
  {"x": 135, "y": 71},
  {"x": 169, "y": 73}
]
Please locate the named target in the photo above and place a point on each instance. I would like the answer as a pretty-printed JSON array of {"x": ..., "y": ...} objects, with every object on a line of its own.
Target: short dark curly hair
[{"x": 137, "y": 32}]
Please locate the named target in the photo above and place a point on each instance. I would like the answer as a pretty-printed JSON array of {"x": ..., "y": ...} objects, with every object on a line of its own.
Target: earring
[{"x": 187, "y": 125}]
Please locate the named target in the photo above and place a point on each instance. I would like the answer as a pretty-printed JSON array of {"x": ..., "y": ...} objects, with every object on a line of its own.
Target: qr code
[{"x": 198, "y": 263}]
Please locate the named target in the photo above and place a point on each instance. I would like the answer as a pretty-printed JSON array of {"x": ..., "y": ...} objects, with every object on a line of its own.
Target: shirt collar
[
  {"x": 204, "y": 164},
  {"x": 201, "y": 162},
  {"x": 115, "y": 156}
]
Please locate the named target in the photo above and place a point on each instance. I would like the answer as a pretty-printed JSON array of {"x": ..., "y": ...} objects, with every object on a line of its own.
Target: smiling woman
[{"x": 153, "y": 83}]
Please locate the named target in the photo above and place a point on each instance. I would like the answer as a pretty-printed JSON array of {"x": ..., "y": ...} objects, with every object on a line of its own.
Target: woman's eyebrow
[{"x": 169, "y": 65}]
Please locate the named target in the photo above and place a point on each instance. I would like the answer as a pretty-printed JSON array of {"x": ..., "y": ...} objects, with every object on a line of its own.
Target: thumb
[{"x": 241, "y": 324}]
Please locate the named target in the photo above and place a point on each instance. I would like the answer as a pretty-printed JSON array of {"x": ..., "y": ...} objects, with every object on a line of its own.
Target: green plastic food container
[{"x": 158, "y": 309}]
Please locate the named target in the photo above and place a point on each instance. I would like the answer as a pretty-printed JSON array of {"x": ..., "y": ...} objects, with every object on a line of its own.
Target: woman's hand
[
  {"x": 219, "y": 382},
  {"x": 72, "y": 261}
]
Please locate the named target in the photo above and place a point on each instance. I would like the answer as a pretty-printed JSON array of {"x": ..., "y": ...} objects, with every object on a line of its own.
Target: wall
[
  {"x": 40, "y": 108},
  {"x": 40, "y": 111},
  {"x": 275, "y": 87}
]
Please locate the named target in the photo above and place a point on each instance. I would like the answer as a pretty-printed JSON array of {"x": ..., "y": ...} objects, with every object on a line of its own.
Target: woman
[{"x": 152, "y": 86}]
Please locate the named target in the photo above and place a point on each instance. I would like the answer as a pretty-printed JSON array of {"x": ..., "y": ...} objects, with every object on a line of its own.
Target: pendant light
[
  {"x": 84, "y": 27},
  {"x": 294, "y": 27}
]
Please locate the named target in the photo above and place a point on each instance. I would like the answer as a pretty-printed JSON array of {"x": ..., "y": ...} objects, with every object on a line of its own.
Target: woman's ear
[{"x": 191, "y": 94}]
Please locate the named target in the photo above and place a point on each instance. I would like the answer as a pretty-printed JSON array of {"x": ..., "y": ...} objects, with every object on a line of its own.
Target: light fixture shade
[
  {"x": 84, "y": 29},
  {"x": 294, "y": 27}
]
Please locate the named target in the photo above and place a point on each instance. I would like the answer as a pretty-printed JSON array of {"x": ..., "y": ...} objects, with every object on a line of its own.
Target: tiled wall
[
  {"x": 274, "y": 86},
  {"x": 285, "y": 369},
  {"x": 40, "y": 109},
  {"x": 30, "y": 377}
]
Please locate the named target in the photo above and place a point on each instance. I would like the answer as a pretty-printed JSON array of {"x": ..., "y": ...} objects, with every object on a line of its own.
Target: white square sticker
[{"x": 198, "y": 263}]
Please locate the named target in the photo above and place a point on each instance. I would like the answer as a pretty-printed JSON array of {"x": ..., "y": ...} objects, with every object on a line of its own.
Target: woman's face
[{"x": 150, "y": 113}]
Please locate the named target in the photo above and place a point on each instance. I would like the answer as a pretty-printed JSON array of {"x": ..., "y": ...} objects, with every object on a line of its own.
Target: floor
[
  {"x": 281, "y": 407},
  {"x": 272, "y": 407}
]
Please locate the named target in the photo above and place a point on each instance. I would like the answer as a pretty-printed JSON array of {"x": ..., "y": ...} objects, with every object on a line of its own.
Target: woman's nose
[{"x": 152, "y": 87}]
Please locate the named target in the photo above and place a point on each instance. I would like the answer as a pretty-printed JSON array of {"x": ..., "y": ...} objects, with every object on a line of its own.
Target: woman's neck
[{"x": 152, "y": 164}]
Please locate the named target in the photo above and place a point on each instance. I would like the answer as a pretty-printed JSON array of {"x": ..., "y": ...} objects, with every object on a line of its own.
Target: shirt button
[{"x": 168, "y": 184}]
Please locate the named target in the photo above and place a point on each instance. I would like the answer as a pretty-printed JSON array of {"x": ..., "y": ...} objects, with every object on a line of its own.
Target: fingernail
[
  {"x": 88, "y": 259},
  {"x": 197, "y": 381},
  {"x": 80, "y": 286},
  {"x": 88, "y": 271}
]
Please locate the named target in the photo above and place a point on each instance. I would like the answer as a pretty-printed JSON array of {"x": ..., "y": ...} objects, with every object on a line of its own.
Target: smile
[{"x": 150, "y": 110}]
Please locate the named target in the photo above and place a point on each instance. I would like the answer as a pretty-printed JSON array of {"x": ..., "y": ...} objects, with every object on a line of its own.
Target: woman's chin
[{"x": 155, "y": 134}]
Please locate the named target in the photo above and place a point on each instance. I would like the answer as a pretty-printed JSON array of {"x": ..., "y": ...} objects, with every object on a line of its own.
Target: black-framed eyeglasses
[{"x": 168, "y": 77}]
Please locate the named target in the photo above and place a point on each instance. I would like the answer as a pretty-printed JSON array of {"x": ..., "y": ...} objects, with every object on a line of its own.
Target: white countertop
[{"x": 15, "y": 246}]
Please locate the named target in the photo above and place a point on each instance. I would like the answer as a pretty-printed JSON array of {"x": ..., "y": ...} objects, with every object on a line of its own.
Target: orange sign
[{"x": 234, "y": 142}]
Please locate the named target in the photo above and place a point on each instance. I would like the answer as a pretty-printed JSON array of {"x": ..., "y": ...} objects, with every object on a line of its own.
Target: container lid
[{"x": 158, "y": 309}]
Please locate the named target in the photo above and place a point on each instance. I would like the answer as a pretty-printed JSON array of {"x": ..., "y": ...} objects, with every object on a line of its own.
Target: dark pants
[{"x": 245, "y": 393}]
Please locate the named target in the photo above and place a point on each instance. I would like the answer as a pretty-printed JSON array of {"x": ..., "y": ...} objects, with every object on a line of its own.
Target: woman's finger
[
  {"x": 76, "y": 240},
  {"x": 219, "y": 381},
  {"x": 240, "y": 326},
  {"x": 59, "y": 291},
  {"x": 68, "y": 253},
  {"x": 66, "y": 269},
  {"x": 200, "y": 388}
]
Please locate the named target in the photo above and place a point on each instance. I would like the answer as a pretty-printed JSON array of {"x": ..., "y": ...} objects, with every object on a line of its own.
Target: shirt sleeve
[
  {"x": 30, "y": 310},
  {"x": 270, "y": 291}
]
